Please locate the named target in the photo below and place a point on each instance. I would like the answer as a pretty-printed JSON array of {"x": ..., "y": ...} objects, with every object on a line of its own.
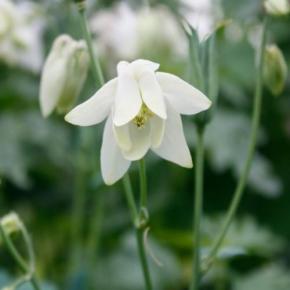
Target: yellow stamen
[{"x": 143, "y": 116}]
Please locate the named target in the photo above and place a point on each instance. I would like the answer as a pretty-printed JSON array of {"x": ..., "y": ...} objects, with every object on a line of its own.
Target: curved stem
[
  {"x": 19, "y": 259},
  {"x": 198, "y": 204},
  {"x": 143, "y": 183},
  {"x": 96, "y": 66},
  {"x": 251, "y": 149},
  {"x": 138, "y": 230}
]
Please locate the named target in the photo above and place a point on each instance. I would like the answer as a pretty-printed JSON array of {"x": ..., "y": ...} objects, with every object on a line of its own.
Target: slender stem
[
  {"x": 251, "y": 150},
  {"x": 95, "y": 228},
  {"x": 78, "y": 212},
  {"x": 130, "y": 199},
  {"x": 143, "y": 258},
  {"x": 96, "y": 66},
  {"x": 198, "y": 204},
  {"x": 143, "y": 183},
  {"x": 138, "y": 230},
  {"x": 19, "y": 259}
]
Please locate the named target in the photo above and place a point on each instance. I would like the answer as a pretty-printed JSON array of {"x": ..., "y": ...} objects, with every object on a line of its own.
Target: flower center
[{"x": 143, "y": 116}]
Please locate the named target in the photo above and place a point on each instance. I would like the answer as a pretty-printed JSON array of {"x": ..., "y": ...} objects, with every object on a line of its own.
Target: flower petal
[
  {"x": 113, "y": 164},
  {"x": 157, "y": 131},
  {"x": 183, "y": 97},
  {"x": 122, "y": 136},
  {"x": 52, "y": 83},
  {"x": 95, "y": 109},
  {"x": 152, "y": 94},
  {"x": 140, "y": 65},
  {"x": 141, "y": 141},
  {"x": 174, "y": 147},
  {"x": 128, "y": 100}
]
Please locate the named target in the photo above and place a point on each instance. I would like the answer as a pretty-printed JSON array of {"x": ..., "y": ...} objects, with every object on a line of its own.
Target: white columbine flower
[
  {"x": 277, "y": 7},
  {"x": 143, "y": 108},
  {"x": 63, "y": 75}
]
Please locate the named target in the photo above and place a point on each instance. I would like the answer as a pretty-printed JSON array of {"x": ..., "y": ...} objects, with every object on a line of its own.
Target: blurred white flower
[
  {"x": 127, "y": 33},
  {"x": 202, "y": 15},
  {"x": 277, "y": 7},
  {"x": 143, "y": 110},
  {"x": 63, "y": 75},
  {"x": 11, "y": 223},
  {"x": 21, "y": 30}
]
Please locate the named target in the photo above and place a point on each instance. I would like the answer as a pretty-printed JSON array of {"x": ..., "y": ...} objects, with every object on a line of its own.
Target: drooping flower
[
  {"x": 63, "y": 75},
  {"x": 277, "y": 7},
  {"x": 143, "y": 108}
]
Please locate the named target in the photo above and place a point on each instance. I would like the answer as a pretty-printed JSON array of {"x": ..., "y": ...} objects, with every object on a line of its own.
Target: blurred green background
[{"x": 45, "y": 164}]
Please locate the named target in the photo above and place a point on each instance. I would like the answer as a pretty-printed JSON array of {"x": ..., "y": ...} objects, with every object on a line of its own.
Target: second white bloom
[{"x": 143, "y": 110}]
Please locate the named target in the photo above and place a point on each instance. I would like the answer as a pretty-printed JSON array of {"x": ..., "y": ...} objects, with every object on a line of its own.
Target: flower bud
[
  {"x": 11, "y": 223},
  {"x": 63, "y": 75},
  {"x": 275, "y": 69},
  {"x": 277, "y": 7}
]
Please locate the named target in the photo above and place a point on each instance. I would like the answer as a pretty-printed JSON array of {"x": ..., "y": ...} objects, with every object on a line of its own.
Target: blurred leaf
[
  {"x": 245, "y": 236},
  {"x": 23, "y": 135},
  {"x": 6, "y": 280},
  {"x": 125, "y": 260},
  {"x": 227, "y": 141},
  {"x": 268, "y": 278}
]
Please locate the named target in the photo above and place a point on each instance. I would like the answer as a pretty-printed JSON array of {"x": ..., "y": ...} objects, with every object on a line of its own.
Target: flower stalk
[
  {"x": 251, "y": 150},
  {"x": 96, "y": 66},
  {"x": 198, "y": 206},
  {"x": 135, "y": 217},
  {"x": 26, "y": 268},
  {"x": 143, "y": 183}
]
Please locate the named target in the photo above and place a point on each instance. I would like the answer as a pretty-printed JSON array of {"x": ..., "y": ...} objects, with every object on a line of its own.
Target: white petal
[
  {"x": 140, "y": 65},
  {"x": 52, "y": 83},
  {"x": 174, "y": 147},
  {"x": 95, "y": 109},
  {"x": 122, "y": 136},
  {"x": 141, "y": 141},
  {"x": 128, "y": 100},
  {"x": 113, "y": 164},
  {"x": 184, "y": 98},
  {"x": 152, "y": 94},
  {"x": 157, "y": 131}
]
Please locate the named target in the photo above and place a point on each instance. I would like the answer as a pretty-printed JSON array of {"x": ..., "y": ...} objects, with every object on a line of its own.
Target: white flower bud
[
  {"x": 277, "y": 7},
  {"x": 11, "y": 223},
  {"x": 63, "y": 75},
  {"x": 275, "y": 69}
]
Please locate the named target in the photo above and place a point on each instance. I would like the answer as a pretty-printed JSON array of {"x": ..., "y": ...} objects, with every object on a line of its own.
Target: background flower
[{"x": 21, "y": 29}]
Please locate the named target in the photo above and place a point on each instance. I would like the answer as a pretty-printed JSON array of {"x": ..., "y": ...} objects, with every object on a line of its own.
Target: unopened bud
[
  {"x": 277, "y": 7},
  {"x": 11, "y": 223},
  {"x": 63, "y": 75},
  {"x": 275, "y": 69}
]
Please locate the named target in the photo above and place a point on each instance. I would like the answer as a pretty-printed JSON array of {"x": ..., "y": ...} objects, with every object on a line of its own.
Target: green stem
[
  {"x": 198, "y": 204},
  {"x": 143, "y": 183},
  {"x": 19, "y": 259},
  {"x": 138, "y": 230},
  {"x": 93, "y": 241},
  {"x": 251, "y": 150},
  {"x": 78, "y": 212},
  {"x": 96, "y": 66}
]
